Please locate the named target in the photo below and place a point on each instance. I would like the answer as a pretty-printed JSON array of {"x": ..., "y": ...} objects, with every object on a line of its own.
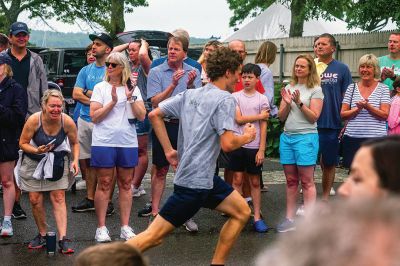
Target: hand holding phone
[{"x": 51, "y": 142}]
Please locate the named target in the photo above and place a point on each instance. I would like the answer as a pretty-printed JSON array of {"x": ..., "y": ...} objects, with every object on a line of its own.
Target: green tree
[
  {"x": 108, "y": 15},
  {"x": 302, "y": 10}
]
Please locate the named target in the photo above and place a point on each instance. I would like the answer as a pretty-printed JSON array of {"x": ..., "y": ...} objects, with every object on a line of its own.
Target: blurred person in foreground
[{"x": 352, "y": 233}]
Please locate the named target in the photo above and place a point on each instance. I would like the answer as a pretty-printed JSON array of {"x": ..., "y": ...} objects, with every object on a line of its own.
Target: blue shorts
[
  {"x": 107, "y": 157},
  {"x": 184, "y": 203},
  {"x": 143, "y": 127},
  {"x": 329, "y": 146},
  {"x": 299, "y": 149}
]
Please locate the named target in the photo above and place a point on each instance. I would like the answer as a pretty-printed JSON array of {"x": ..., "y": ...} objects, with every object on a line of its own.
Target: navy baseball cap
[
  {"x": 18, "y": 27},
  {"x": 104, "y": 37},
  {"x": 5, "y": 58}
]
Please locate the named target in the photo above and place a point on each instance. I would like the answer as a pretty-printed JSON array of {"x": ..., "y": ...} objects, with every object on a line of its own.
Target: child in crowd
[
  {"x": 246, "y": 162},
  {"x": 394, "y": 113}
]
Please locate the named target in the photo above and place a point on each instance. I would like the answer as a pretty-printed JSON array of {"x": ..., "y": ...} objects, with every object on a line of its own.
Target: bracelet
[{"x": 85, "y": 91}]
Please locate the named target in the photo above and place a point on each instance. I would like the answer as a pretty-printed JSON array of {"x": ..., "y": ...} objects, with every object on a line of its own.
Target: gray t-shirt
[
  {"x": 204, "y": 114},
  {"x": 296, "y": 122}
]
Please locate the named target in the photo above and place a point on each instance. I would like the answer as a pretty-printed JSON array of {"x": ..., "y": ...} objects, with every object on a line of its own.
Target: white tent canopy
[{"x": 274, "y": 22}]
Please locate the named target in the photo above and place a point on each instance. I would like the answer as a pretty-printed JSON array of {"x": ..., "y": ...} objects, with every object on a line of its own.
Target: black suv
[{"x": 62, "y": 66}]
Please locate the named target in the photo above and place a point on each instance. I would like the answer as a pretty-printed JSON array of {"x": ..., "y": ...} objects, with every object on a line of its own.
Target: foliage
[
  {"x": 95, "y": 13},
  {"x": 275, "y": 128}
]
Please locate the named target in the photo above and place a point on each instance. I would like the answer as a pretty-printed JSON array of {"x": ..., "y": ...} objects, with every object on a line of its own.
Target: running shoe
[
  {"x": 191, "y": 226},
  {"x": 102, "y": 235},
  {"x": 260, "y": 226},
  {"x": 6, "y": 229},
  {"x": 85, "y": 205},
  {"x": 300, "y": 211},
  {"x": 18, "y": 212},
  {"x": 38, "y": 242},
  {"x": 146, "y": 211},
  {"x": 332, "y": 192},
  {"x": 286, "y": 226},
  {"x": 64, "y": 246},
  {"x": 127, "y": 232}
]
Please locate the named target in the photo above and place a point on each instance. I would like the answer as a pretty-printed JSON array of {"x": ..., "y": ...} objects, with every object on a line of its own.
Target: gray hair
[{"x": 371, "y": 60}]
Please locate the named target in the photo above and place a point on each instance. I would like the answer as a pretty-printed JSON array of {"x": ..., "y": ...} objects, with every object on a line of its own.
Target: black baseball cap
[
  {"x": 104, "y": 37},
  {"x": 18, "y": 27},
  {"x": 5, "y": 58}
]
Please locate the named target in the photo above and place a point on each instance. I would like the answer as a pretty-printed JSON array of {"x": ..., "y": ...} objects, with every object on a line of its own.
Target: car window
[
  {"x": 50, "y": 61},
  {"x": 74, "y": 60}
]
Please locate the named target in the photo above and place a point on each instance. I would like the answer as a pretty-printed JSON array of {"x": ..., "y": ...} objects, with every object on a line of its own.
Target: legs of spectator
[
  {"x": 292, "y": 182},
  {"x": 158, "y": 179},
  {"x": 153, "y": 235},
  {"x": 141, "y": 168},
  {"x": 246, "y": 188},
  {"x": 239, "y": 212},
  {"x": 57, "y": 198},
  {"x": 83, "y": 165},
  {"x": 124, "y": 179},
  {"x": 328, "y": 176},
  {"x": 228, "y": 176},
  {"x": 91, "y": 181},
  {"x": 102, "y": 195},
  {"x": 237, "y": 182},
  {"x": 7, "y": 181},
  {"x": 38, "y": 211},
  {"x": 254, "y": 181},
  {"x": 306, "y": 175}
]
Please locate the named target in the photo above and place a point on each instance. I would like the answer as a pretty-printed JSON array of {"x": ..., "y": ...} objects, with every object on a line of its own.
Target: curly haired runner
[{"x": 207, "y": 119}]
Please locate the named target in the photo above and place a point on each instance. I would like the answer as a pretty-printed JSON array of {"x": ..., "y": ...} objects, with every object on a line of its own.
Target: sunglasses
[{"x": 113, "y": 65}]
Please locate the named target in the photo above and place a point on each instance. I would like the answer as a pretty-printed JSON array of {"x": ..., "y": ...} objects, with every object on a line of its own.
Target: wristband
[{"x": 85, "y": 92}]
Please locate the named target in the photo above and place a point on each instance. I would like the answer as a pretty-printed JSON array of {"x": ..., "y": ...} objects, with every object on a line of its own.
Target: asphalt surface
[{"x": 179, "y": 248}]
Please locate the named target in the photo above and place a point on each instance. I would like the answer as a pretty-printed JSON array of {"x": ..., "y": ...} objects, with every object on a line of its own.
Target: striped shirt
[{"x": 365, "y": 125}]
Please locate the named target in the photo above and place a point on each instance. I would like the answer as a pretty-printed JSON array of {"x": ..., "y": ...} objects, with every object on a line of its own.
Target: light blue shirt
[{"x": 87, "y": 78}]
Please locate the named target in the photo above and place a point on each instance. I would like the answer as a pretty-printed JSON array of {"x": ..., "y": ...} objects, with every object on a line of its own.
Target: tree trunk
[
  {"x": 117, "y": 17},
  {"x": 298, "y": 16}
]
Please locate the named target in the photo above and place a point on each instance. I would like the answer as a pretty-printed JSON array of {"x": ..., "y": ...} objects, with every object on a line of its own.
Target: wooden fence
[{"x": 350, "y": 48}]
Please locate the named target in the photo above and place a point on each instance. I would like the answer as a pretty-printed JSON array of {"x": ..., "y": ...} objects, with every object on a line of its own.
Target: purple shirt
[{"x": 251, "y": 105}]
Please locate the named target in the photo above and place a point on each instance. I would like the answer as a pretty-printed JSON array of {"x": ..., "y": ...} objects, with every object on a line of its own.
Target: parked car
[{"x": 62, "y": 66}]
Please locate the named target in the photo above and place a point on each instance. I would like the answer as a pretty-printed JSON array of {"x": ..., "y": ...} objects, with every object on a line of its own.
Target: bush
[{"x": 275, "y": 128}]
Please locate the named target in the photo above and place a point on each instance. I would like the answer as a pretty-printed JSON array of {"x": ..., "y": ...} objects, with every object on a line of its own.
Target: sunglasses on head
[{"x": 113, "y": 65}]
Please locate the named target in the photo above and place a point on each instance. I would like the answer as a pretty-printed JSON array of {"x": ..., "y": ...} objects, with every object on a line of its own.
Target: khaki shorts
[{"x": 85, "y": 130}]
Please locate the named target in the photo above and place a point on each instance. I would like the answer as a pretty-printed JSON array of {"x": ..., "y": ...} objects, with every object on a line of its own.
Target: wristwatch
[
  {"x": 132, "y": 99},
  {"x": 301, "y": 105}
]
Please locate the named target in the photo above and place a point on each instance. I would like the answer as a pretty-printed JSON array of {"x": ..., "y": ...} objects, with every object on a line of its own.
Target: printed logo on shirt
[{"x": 329, "y": 78}]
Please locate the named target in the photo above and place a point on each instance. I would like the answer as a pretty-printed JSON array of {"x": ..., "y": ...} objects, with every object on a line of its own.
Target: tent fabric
[{"x": 274, "y": 22}]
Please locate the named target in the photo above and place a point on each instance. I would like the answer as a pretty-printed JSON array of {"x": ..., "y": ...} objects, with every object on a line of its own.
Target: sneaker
[
  {"x": 81, "y": 185},
  {"x": 135, "y": 192},
  {"x": 127, "y": 232},
  {"x": 301, "y": 191},
  {"x": 300, "y": 211},
  {"x": 85, "y": 205},
  {"x": 64, "y": 246},
  {"x": 110, "y": 209},
  {"x": 6, "y": 229},
  {"x": 146, "y": 211},
  {"x": 260, "y": 226},
  {"x": 286, "y": 226},
  {"x": 332, "y": 192},
  {"x": 141, "y": 190},
  {"x": 18, "y": 212},
  {"x": 191, "y": 226},
  {"x": 102, "y": 235},
  {"x": 38, "y": 242}
]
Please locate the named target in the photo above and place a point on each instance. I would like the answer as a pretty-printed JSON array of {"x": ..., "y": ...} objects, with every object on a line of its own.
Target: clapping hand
[
  {"x": 177, "y": 76},
  {"x": 286, "y": 96},
  {"x": 114, "y": 95},
  {"x": 191, "y": 77},
  {"x": 296, "y": 97}
]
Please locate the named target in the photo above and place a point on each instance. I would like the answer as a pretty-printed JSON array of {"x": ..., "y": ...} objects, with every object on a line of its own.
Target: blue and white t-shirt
[{"x": 365, "y": 125}]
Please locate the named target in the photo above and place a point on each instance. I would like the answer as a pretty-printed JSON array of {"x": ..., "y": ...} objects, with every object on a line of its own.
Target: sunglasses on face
[{"x": 113, "y": 65}]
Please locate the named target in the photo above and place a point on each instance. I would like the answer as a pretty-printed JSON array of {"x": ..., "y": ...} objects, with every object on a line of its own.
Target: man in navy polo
[{"x": 168, "y": 79}]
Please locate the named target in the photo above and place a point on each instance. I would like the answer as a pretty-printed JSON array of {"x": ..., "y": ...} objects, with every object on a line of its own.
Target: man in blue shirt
[
  {"x": 87, "y": 78},
  {"x": 335, "y": 78},
  {"x": 164, "y": 81}
]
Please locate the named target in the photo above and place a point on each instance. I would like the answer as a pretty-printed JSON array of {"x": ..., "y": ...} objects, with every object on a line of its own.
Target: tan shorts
[{"x": 85, "y": 130}]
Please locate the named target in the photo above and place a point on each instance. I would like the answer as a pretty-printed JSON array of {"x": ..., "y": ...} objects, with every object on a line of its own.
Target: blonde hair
[
  {"x": 371, "y": 60},
  {"x": 216, "y": 44},
  {"x": 313, "y": 79},
  {"x": 121, "y": 59},
  {"x": 8, "y": 70},
  {"x": 266, "y": 54},
  {"x": 52, "y": 93}
]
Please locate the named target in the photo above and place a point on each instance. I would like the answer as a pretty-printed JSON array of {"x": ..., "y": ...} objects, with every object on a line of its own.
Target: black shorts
[
  {"x": 350, "y": 147},
  {"x": 223, "y": 160},
  {"x": 159, "y": 159},
  {"x": 185, "y": 202},
  {"x": 244, "y": 160}
]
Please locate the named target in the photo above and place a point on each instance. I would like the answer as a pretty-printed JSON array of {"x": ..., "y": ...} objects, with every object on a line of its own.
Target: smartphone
[
  {"x": 129, "y": 84},
  {"x": 51, "y": 142}
]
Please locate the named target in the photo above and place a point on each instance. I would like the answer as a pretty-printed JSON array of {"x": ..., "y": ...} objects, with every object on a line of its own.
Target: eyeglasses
[{"x": 113, "y": 65}]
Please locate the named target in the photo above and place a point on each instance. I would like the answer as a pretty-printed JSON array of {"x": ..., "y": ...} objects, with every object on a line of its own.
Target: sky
[{"x": 201, "y": 18}]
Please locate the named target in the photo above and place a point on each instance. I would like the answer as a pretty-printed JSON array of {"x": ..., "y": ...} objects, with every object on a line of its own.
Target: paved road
[{"x": 180, "y": 248}]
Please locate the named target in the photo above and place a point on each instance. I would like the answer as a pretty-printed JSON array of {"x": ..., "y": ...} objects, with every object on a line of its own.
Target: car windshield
[{"x": 74, "y": 60}]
